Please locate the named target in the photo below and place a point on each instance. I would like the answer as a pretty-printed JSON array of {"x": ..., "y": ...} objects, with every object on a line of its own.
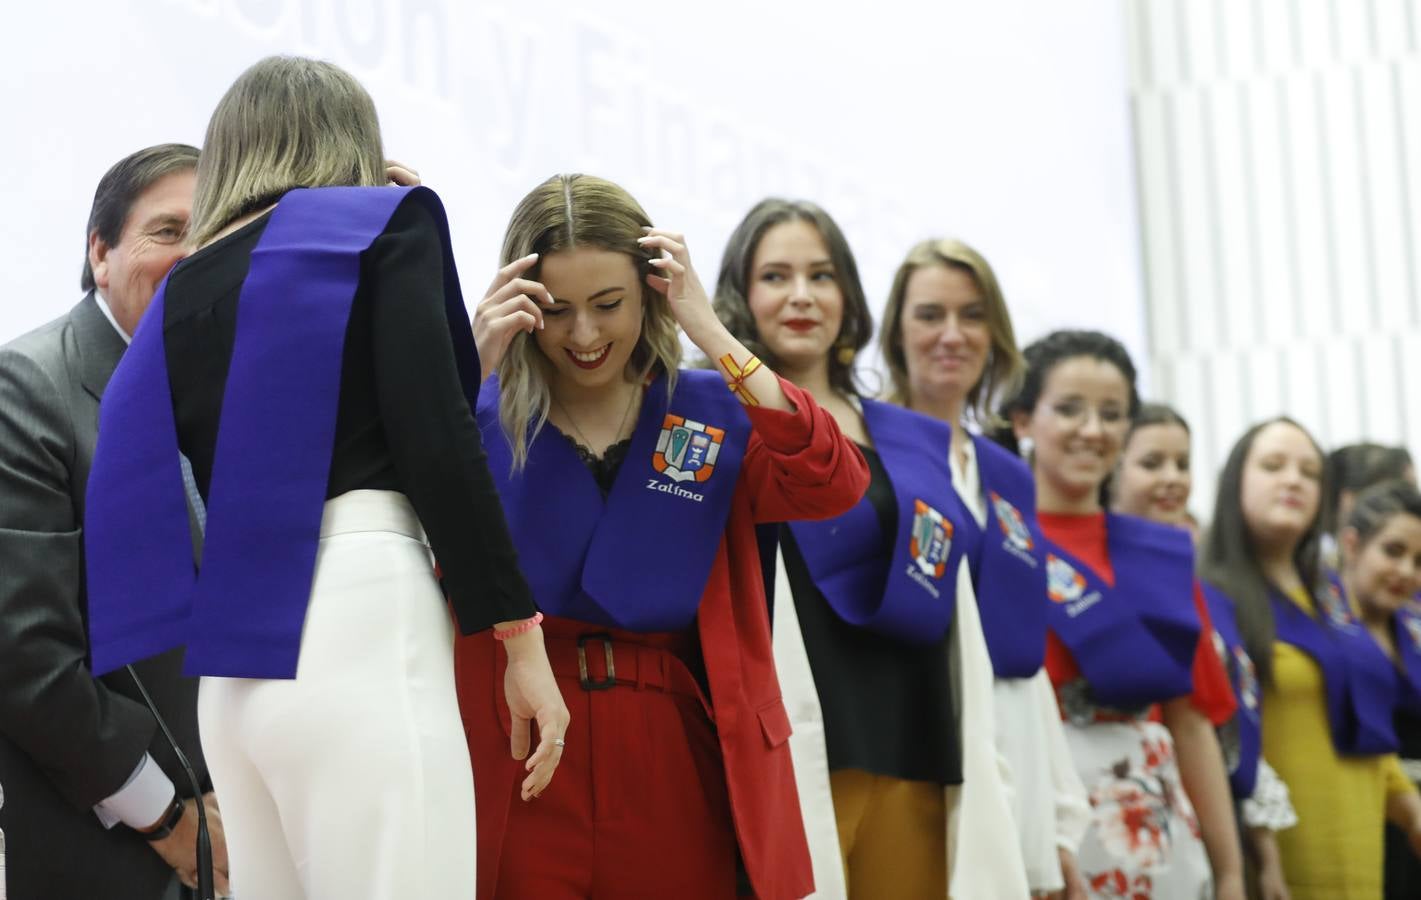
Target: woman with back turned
[{"x": 312, "y": 358}]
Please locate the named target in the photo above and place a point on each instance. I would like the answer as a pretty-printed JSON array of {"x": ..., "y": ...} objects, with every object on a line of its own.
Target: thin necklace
[{"x": 620, "y": 425}]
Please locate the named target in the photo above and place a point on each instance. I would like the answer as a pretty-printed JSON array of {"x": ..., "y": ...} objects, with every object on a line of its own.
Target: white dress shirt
[{"x": 146, "y": 794}]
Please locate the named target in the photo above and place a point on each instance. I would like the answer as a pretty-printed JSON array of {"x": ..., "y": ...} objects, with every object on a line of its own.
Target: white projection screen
[{"x": 1004, "y": 123}]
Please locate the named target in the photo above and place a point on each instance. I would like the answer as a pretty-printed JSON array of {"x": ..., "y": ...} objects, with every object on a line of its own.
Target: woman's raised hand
[
  {"x": 511, "y": 304},
  {"x": 681, "y": 285}
]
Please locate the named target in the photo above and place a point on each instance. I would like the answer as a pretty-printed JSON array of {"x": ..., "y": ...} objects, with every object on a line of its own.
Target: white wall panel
[
  {"x": 1265, "y": 381},
  {"x": 1305, "y": 158},
  {"x": 1270, "y": 198},
  {"x": 1347, "y": 221},
  {"x": 1278, "y": 32},
  {"x": 1233, "y": 233},
  {"x": 1382, "y": 392},
  {"x": 1384, "y": 177},
  {"x": 1316, "y": 28},
  {"x": 1393, "y": 24},
  {"x": 1342, "y": 388},
  {"x": 1287, "y": 190},
  {"x": 1409, "y": 355},
  {"x": 1200, "y": 282},
  {"x": 1352, "y": 22}
]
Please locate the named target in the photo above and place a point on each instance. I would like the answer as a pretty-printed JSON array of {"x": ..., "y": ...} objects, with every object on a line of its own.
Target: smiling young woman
[
  {"x": 1328, "y": 691},
  {"x": 1154, "y": 478},
  {"x": 1130, "y": 649},
  {"x": 1380, "y": 544},
  {"x": 633, "y": 489},
  {"x": 1153, "y": 481}
]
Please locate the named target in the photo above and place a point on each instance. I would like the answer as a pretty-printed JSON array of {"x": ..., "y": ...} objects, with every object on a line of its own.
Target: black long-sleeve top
[
  {"x": 887, "y": 705},
  {"x": 403, "y": 422}
]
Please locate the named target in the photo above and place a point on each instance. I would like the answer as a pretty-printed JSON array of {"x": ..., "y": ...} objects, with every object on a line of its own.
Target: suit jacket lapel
[{"x": 99, "y": 345}]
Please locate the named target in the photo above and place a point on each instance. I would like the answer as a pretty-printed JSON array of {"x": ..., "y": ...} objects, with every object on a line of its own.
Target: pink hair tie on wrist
[{"x": 525, "y": 625}]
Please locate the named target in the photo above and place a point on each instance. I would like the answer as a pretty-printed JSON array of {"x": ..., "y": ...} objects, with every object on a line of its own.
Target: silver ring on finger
[{"x": 559, "y": 742}]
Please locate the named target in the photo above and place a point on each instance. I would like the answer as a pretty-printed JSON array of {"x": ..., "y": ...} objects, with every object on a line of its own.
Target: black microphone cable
[{"x": 204, "y": 839}]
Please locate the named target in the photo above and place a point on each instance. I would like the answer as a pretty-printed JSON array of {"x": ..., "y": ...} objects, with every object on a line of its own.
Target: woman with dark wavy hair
[
  {"x": 1381, "y": 577},
  {"x": 869, "y": 614}
]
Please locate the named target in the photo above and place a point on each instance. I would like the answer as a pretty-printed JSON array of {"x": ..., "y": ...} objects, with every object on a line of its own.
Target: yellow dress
[{"x": 1335, "y": 851}]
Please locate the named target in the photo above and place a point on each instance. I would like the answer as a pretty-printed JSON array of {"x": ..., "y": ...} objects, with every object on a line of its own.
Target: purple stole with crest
[
  {"x": 1008, "y": 564},
  {"x": 1243, "y": 772},
  {"x": 911, "y": 595},
  {"x": 1406, "y": 632},
  {"x": 640, "y": 559},
  {"x": 1359, "y": 681},
  {"x": 1407, "y": 626},
  {"x": 243, "y": 615},
  {"x": 1134, "y": 642}
]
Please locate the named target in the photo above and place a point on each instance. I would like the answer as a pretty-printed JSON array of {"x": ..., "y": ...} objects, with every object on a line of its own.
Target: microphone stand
[{"x": 204, "y": 838}]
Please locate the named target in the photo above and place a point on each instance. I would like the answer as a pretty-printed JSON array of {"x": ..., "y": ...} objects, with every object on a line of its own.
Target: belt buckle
[{"x": 587, "y": 683}]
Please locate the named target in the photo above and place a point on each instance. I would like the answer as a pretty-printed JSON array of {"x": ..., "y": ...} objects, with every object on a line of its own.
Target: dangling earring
[
  {"x": 845, "y": 354},
  {"x": 1026, "y": 447}
]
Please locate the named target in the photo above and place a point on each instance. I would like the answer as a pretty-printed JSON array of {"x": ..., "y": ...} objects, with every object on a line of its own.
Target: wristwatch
[{"x": 168, "y": 824}]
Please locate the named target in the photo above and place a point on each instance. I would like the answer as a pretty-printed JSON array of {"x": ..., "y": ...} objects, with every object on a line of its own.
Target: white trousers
[{"x": 353, "y": 779}]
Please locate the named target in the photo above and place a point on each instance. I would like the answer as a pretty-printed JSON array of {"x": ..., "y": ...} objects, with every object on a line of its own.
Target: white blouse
[{"x": 1048, "y": 802}]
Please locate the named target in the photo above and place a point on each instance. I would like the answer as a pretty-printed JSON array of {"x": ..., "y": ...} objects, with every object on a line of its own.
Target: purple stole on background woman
[
  {"x": 1406, "y": 633},
  {"x": 1241, "y": 736},
  {"x": 1406, "y": 625},
  {"x": 243, "y": 615},
  {"x": 909, "y": 596},
  {"x": 1009, "y": 564},
  {"x": 1359, "y": 680},
  {"x": 1134, "y": 642},
  {"x": 638, "y": 560}
]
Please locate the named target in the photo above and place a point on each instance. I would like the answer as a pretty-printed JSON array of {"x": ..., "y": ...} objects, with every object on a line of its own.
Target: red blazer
[{"x": 797, "y": 466}]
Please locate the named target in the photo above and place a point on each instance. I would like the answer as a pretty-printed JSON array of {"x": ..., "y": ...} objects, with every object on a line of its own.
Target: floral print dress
[{"x": 1144, "y": 841}]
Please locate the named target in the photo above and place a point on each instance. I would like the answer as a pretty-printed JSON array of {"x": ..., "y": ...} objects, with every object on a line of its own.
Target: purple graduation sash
[
  {"x": 1359, "y": 680},
  {"x": 640, "y": 559},
  {"x": 1247, "y": 721},
  {"x": 911, "y": 595},
  {"x": 1406, "y": 632},
  {"x": 1134, "y": 642},
  {"x": 244, "y": 614},
  {"x": 1407, "y": 625},
  {"x": 1008, "y": 564}
]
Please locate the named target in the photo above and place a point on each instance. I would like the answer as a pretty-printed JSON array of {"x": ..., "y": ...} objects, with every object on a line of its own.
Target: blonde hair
[
  {"x": 286, "y": 122},
  {"x": 1005, "y": 365},
  {"x": 569, "y": 212}
]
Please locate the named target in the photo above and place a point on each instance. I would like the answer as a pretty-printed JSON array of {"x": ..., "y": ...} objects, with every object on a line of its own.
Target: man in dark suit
[{"x": 95, "y": 803}]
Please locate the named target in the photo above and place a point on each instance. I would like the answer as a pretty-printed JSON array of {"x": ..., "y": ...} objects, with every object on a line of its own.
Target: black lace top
[{"x": 604, "y": 468}]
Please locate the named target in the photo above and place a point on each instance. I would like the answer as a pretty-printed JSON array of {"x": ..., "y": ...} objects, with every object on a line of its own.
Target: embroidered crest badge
[
  {"x": 931, "y": 539},
  {"x": 1063, "y": 582},
  {"x": 1013, "y": 526},
  {"x": 1334, "y": 605},
  {"x": 686, "y": 450},
  {"x": 1247, "y": 679}
]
